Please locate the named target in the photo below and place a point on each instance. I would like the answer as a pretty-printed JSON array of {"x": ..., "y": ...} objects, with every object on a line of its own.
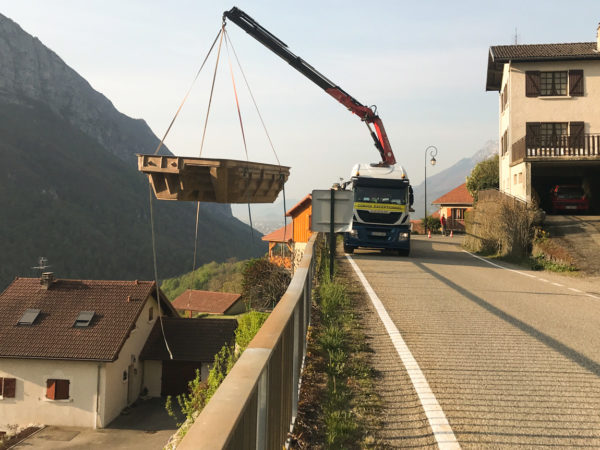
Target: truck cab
[{"x": 382, "y": 200}]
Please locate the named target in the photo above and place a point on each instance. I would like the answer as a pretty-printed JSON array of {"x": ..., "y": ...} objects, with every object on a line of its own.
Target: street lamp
[{"x": 432, "y": 153}]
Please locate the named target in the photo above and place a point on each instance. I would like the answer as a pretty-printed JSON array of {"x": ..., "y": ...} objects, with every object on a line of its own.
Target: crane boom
[{"x": 366, "y": 114}]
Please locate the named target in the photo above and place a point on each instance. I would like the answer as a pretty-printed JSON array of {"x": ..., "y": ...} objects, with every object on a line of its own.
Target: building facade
[{"x": 549, "y": 117}]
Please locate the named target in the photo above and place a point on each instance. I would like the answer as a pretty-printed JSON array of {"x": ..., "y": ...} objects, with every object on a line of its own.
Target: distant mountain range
[
  {"x": 69, "y": 185},
  {"x": 448, "y": 179}
]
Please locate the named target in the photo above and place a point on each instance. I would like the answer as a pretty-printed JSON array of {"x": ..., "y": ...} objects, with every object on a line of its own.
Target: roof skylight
[
  {"x": 83, "y": 319},
  {"x": 29, "y": 316}
]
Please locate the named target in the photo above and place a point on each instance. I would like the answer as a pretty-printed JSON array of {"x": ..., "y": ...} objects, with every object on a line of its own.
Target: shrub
[
  {"x": 263, "y": 284},
  {"x": 484, "y": 175},
  {"x": 432, "y": 223}
]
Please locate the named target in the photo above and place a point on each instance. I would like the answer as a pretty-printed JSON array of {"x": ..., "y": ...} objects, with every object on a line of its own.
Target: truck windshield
[{"x": 369, "y": 194}]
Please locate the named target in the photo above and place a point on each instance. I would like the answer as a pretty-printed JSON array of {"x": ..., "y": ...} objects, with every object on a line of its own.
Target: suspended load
[{"x": 213, "y": 180}]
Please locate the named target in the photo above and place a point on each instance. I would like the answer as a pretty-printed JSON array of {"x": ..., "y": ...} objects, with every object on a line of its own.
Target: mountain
[
  {"x": 448, "y": 179},
  {"x": 69, "y": 185}
]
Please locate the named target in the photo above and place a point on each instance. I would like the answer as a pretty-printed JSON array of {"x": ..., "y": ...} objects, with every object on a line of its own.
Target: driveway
[{"x": 145, "y": 425}]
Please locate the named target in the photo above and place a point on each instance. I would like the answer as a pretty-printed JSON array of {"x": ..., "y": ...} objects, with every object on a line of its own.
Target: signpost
[{"x": 332, "y": 212}]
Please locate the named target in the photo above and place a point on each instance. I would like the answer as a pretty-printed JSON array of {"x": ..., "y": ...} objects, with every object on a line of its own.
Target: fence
[{"x": 256, "y": 405}]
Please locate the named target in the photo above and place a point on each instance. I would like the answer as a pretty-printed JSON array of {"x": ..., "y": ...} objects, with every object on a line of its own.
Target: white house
[
  {"x": 70, "y": 349},
  {"x": 549, "y": 117}
]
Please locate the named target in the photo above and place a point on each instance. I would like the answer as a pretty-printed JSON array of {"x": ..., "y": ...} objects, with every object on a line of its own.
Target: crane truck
[{"x": 382, "y": 193}]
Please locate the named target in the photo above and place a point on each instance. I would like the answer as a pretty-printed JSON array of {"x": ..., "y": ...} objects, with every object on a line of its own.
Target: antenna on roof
[
  {"x": 42, "y": 264},
  {"x": 516, "y": 36}
]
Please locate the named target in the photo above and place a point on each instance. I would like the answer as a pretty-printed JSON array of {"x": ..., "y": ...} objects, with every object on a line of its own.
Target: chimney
[{"x": 47, "y": 279}]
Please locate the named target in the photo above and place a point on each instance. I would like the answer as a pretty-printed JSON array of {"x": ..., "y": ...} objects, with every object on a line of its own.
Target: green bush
[{"x": 431, "y": 223}]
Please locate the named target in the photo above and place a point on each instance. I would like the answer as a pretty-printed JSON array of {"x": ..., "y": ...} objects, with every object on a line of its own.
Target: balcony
[{"x": 557, "y": 148}]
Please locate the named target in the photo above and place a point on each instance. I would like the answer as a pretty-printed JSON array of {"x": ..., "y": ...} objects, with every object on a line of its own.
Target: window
[
  {"x": 29, "y": 316},
  {"x": 520, "y": 177},
  {"x": 458, "y": 213},
  {"x": 554, "y": 83},
  {"x": 83, "y": 319},
  {"x": 551, "y": 134},
  {"x": 8, "y": 387},
  {"x": 151, "y": 314},
  {"x": 57, "y": 389},
  {"x": 515, "y": 178}
]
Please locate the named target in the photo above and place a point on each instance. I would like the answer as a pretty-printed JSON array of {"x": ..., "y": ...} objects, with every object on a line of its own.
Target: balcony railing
[{"x": 567, "y": 147}]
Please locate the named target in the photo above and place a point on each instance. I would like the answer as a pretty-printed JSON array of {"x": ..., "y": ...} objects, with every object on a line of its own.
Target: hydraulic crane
[{"x": 366, "y": 114}]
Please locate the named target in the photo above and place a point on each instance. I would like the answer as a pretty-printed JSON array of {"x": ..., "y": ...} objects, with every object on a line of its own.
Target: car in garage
[{"x": 569, "y": 198}]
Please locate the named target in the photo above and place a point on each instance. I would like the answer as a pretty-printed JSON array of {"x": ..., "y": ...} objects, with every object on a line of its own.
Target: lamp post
[{"x": 432, "y": 153}]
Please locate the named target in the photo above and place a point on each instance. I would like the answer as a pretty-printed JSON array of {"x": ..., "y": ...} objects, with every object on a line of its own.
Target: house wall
[
  {"x": 301, "y": 222},
  {"x": 521, "y": 109},
  {"x": 237, "y": 308},
  {"x": 30, "y": 404},
  {"x": 116, "y": 389}
]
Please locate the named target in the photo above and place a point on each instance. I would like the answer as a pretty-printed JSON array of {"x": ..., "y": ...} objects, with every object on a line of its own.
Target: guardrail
[{"x": 256, "y": 405}]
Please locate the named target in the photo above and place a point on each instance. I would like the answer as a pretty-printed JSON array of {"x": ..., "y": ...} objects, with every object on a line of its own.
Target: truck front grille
[{"x": 369, "y": 217}]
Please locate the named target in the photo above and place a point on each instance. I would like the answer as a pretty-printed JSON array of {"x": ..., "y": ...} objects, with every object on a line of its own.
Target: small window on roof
[
  {"x": 29, "y": 316},
  {"x": 83, "y": 319}
]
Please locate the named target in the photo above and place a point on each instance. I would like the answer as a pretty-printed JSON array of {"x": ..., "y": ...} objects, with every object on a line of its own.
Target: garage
[
  {"x": 569, "y": 176},
  {"x": 192, "y": 345}
]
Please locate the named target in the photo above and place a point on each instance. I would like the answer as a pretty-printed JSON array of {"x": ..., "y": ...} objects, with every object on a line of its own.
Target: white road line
[
  {"x": 499, "y": 266},
  {"x": 442, "y": 431},
  {"x": 528, "y": 275}
]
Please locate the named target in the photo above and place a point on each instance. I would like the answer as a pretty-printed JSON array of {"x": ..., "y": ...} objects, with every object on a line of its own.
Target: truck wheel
[
  {"x": 404, "y": 252},
  {"x": 348, "y": 249}
]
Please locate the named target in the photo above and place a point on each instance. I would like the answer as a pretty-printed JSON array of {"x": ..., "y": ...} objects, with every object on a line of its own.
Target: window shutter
[
  {"x": 576, "y": 134},
  {"x": 532, "y": 83},
  {"x": 62, "y": 390},
  {"x": 576, "y": 83},
  {"x": 50, "y": 389},
  {"x": 10, "y": 387},
  {"x": 532, "y": 133}
]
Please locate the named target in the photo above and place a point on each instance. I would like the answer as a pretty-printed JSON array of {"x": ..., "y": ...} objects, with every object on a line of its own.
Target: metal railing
[
  {"x": 583, "y": 146},
  {"x": 257, "y": 403}
]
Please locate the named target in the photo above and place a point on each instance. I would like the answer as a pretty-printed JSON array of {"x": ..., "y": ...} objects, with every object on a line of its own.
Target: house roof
[
  {"x": 52, "y": 335},
  {"x": 457, "y": 196},
  {"x": 189, "y": 339},
  {"x": 278, "y": 235},
  {"x": 206, "y": 301},
  {"x": 500, "y": 54},
  {"x": 298, "y": 207}
]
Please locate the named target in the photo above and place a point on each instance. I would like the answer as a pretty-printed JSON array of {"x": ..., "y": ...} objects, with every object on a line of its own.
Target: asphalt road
[{"x": 512, "y": 357}]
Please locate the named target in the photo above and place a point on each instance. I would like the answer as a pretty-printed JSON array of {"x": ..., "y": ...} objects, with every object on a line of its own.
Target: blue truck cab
[{"x": 382, "y": 200}]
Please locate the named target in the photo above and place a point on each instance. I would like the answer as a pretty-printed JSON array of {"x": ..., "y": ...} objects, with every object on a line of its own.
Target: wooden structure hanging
[{"x": 213, "y": 180}]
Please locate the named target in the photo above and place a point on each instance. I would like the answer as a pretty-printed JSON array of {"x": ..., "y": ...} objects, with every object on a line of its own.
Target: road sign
[{"x": 321, "y": 210}]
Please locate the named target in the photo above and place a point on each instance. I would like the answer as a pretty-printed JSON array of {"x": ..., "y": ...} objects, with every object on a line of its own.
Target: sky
[{"x": 423, "y": 63}]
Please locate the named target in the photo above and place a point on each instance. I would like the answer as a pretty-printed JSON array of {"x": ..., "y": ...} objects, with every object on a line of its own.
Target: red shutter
[
  {"x": 576, "y": 83},
  {"x": 576, "y": 134},
  {"x": 62, "y": 390},
  {"x": 532, "y": 83},
  {"x": 10, "y": 387},
  {"x": 50, "y": 389}
]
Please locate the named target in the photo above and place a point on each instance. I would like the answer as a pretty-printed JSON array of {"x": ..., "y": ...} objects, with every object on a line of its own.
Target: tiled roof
[
  {"x": 500, "y": 54},
  {"x": 278, "y": 235},
  {"x": 116, "y": 306},
  {"x": 537, "y": 52},
  {"x": 206, "y": 301},
  {"x": 306, "y": 201},
  {"x": 189, "y": 339},
  {"x": 457, "y": 196}
]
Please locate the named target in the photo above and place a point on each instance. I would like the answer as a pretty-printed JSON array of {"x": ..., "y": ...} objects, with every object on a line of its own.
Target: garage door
[{"x": 176, "y": 375}]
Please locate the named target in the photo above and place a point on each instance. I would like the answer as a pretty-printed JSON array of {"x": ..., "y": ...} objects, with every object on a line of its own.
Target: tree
[{"x": 484, "y": 175}]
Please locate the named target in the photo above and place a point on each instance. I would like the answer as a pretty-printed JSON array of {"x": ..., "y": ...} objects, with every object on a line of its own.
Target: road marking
[
  {"x": 529, "y": 275},
  {"x": 442, "y": 431},
  {"x": 499, "y": 266}
]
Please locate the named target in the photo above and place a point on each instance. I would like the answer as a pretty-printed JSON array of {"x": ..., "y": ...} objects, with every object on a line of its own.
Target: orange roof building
[
  {"x": 196, "y": 301},
  {"x": 453, "y": 206}
]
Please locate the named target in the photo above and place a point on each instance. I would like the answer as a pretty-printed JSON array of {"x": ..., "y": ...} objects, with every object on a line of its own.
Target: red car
[{"x": 569, "y": 198}]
